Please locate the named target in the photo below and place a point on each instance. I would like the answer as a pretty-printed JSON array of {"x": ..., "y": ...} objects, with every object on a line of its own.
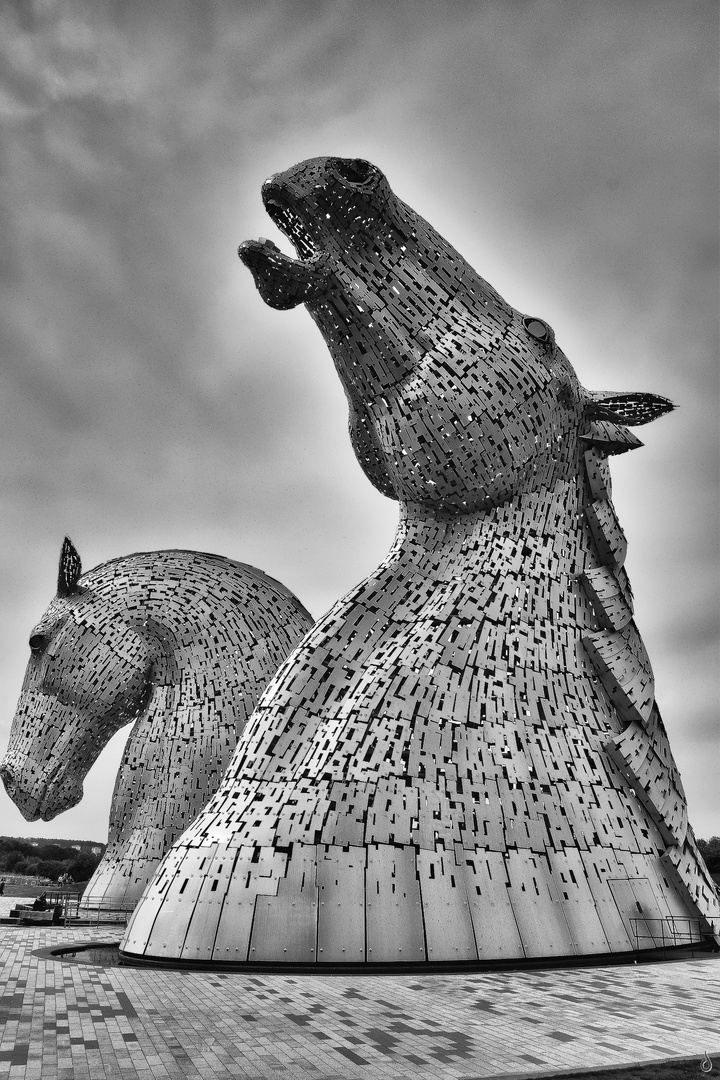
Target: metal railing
[
  {"x": 667, "y": 932},
  {"x": 64, "y": 908},
  {"x": 98, "y": 912}
]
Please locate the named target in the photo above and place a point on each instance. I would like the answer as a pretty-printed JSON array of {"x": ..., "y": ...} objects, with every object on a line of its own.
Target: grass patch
[{"x": 685, "y": 1069}]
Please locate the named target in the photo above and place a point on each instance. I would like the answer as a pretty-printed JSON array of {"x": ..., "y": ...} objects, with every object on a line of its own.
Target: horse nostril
[{"x": 7, "y": 778}]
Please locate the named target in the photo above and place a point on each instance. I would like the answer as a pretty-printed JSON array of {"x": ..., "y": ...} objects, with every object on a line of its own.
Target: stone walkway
[{"x": 72, "y": 1021}]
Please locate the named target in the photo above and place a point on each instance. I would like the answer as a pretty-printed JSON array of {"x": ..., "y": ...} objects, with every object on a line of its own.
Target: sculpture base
[{"x": 703, "y": 948}]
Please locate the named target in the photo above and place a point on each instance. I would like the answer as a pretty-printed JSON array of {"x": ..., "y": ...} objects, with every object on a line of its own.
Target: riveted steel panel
[
  {"x": 285, "y": 925},
  {"x": 255, "y": 873},
  {"x": 200, "y": 938},
  {"x": 393, "y": 906},
  {"x": 536, "y": 906},
  {"x": 170, "y": 927},
  {"x": 341, "y": 912},
  {"x": 496, "y": 933},
  {"x": 446, "y": 912},
  {"x": 577, "y": 901},
  {"x": 643, "y": 912},
  {"x": 143, "y": 918}
]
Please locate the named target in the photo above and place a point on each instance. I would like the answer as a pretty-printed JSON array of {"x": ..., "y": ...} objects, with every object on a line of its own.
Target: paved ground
[{"x": 69, "y": 1021}]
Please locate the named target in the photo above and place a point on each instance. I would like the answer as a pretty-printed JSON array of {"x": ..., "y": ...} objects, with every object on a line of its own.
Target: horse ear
[
  {"x": 632, "y": 409},
  {"x": 69, "y": 570}
]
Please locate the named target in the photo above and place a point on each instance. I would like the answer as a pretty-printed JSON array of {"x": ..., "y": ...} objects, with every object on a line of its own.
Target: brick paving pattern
[{"x": 79, "y": 1021}]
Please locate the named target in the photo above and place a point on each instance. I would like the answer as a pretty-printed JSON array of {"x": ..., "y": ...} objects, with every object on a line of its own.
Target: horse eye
[
  {"x": 537, "y": 329},
  {"x": 38, "y": 642},
  {"x": 356, "y": 170}
]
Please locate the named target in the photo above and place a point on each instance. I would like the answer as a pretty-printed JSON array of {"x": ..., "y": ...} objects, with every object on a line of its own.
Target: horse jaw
[
  {"x": 44, "y": 777},
  {"x": 38, "y": 803}
]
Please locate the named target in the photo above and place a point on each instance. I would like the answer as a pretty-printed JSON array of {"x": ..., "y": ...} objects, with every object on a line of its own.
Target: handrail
[
  {"x": 666, "y": 931},
  {"x": 101, "y": 911},
  {"x": 64, "y": 906}
]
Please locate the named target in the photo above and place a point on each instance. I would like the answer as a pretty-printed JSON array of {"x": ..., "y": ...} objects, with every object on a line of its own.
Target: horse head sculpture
[
  {"x": 88, "y": 675},
  {"x": 464, "y": 759},
  {"x": 180, "y": 642},
  {"x": 457, "y": 400}
]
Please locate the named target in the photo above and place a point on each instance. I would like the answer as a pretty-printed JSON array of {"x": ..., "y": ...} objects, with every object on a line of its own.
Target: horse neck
[
  {"x": 178, "y": 732},
  {"x": 538, "y": 535}
]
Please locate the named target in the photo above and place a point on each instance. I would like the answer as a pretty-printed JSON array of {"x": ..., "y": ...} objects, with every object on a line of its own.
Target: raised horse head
[
  {"x": 458, "y": 402},
  {"x": 463, "y": 760}
]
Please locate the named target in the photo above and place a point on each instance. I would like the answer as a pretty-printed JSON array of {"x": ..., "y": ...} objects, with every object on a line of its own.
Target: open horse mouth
[{"x": 282, "y": 281}]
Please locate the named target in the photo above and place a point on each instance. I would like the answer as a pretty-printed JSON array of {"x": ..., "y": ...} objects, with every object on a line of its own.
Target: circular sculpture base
[{"x": 107, "y": 954}]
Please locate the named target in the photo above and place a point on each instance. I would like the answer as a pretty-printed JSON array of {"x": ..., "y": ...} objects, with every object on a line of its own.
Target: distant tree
[
  {"x": 55, "y": 852},
  {"x": 710, "y": 851},
  {"x": 9, "y": 845},
  {"x": 83, "y": 867},
  {"x": 11, "y": 859},
  {"x": 49, "y": 868},
  {"x": 48, "y": 860}
]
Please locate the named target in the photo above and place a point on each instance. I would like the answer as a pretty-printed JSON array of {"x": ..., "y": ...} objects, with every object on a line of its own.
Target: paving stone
[{"x": 143, "y": 1024}]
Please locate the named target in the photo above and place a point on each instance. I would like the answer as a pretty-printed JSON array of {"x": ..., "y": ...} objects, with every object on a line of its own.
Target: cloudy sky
[{"x": 568, "y": 148}]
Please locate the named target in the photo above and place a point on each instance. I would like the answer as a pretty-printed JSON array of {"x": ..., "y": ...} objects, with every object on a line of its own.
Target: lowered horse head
[
  {"x": 87, "y": 676},
  {"x": 181, "y": 642}
]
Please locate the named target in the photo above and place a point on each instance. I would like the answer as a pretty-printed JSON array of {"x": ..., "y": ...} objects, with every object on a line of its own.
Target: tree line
[
  {"x": 50, "y": 860},
  {"x": 710, "y": 851}
]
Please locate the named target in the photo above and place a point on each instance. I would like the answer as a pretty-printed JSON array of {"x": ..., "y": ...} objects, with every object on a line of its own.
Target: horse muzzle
[{"x": 36, "y": 799}]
